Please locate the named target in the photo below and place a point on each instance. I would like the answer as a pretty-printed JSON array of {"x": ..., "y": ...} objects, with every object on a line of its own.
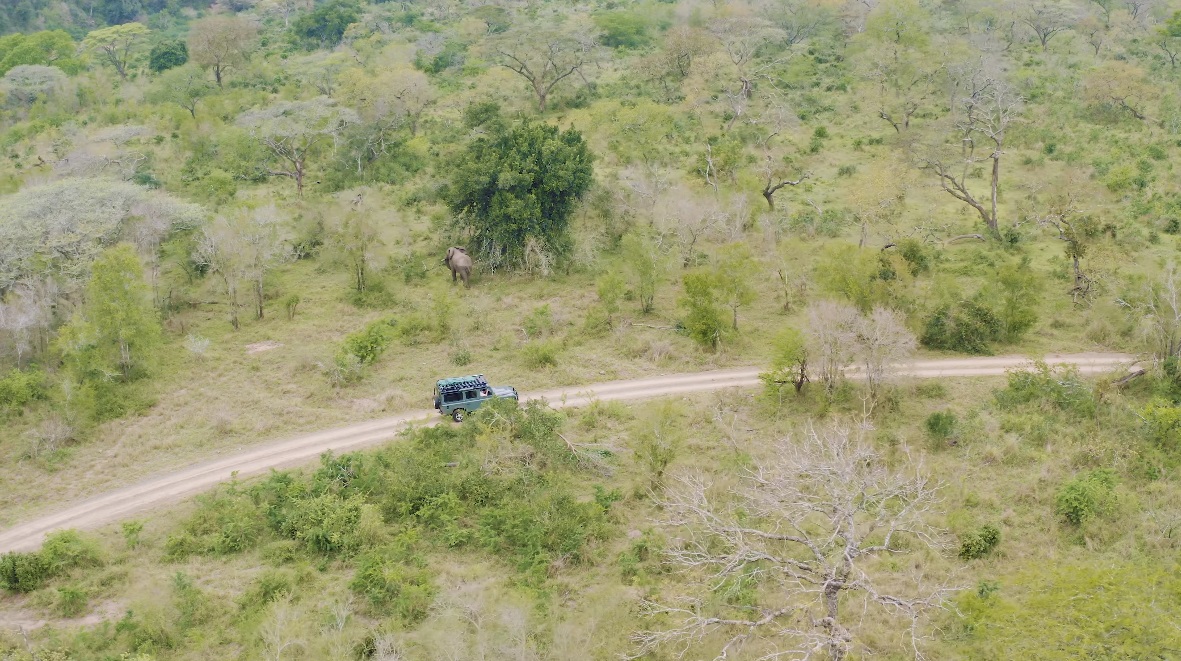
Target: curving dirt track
[{"x": 176, "y": 485}]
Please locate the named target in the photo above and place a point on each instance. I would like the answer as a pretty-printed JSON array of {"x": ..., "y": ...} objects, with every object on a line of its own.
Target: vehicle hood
[{"x": 504, "y": 391}]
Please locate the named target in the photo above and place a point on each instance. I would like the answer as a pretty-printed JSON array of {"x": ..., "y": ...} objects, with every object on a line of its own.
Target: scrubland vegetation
[{"x": 222, "y": 224}]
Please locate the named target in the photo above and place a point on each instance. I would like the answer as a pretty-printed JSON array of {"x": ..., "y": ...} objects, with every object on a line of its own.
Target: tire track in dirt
[{"x": 177, "y": 485}]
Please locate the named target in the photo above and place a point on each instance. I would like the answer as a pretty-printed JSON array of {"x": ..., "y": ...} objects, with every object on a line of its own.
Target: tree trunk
[
  {"x": 541, "y": 99},
  {"x": 734, "y": 308},
  {"x": 258, "y": 297},
  {"x": 298, "y": 160},
  {"x": 217, "y": 73},
  {"x": 769, "y": 196},
  {"x": 996, "y": 184}
]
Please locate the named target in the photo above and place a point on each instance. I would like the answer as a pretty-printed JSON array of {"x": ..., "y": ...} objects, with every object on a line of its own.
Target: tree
[
  {"x": 832, "y": 337},
  {"x": 882, "y": 340},
  {"x": 241, "y": 249},
  {"x": 117, "y": 327},
  {"x": 519, "y": 184},
  {"x": 59, "y": 228},
  {"x": 324, "y": 27},
  {"x": 704, "y": 320},
  {"x": 54, "y": 48},
  {"x": 988, "y": 112},
  {"x": 222, "y": 43},
  {"x": 800, "y": 20},
  {"x": 1046, "y": 19},
  {"x": 28, "y": 83},
  {"x": 789, "y": 361},
  {"x": 119, "y": 11},
  {"x": 168, "y": 55},
  {"x": 645, "y": 265},
  {"x": 806, "y": 526},
  {"x": 735, "y": 269},
  {"x": 1106, "y": 7},
  {"x": 291, "y": 130},
  {"x": 117, "y": 45},
  {"x": 1121, "y": 85},
  {"x": 354, "y": 239},
  {"x": 184, "y": 86},
  {"x": 543, "y": 56},
  {"x": 1078, "y": 232}
]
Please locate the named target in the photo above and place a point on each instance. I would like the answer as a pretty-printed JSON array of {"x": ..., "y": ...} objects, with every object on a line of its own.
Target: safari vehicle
[{"x": 461, "y": 395}]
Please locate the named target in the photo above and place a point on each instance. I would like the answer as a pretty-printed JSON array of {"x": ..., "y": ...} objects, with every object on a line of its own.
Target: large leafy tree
[
  {"x": 325, "y": 26},
  {"x": 117, "y": 44},
  {"x": 518, "y": 187},
  {"x": 221, "y": 43},
  {"x": 51, "y": 47},
  {"x": 117, "y": 327},
  {"x": 168, "y": 55},
  {"x": 292, "y": 130}
]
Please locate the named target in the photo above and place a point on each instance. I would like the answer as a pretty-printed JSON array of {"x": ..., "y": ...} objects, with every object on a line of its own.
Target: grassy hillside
[{"x": 290, "y": 175}]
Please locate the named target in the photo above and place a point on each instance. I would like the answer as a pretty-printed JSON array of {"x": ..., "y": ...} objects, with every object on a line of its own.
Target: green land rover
[{"x": 460, "y": 395}]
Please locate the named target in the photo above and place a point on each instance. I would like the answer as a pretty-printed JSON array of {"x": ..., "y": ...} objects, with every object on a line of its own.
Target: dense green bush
[
  {"x": 60, "y": 553},
  {"x": 325, "y": 26},
  {"x": 369, "y": 343},
  {"x": 23, "y": 572},
  {"x": 941, "y": 425},
  {"x": 225, "y": 522},
  {"x": 1061, "y": 388},
  {"x": 1086, "y": 496},
  {"x": 623, "y": 29},
  {"x": 980, "y": 542},
  {"x": 18, "y": 388},
  {"x": 168, "y": 55},
  {"x": 967, "y": 327},
  {"x": 394, "y": 578}
]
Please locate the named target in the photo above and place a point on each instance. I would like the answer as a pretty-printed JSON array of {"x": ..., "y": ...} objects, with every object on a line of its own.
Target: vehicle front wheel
[{"x": 457, "y": 415}]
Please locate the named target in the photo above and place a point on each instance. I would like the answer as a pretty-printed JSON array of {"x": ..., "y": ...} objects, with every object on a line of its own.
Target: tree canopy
[{"x": 520, "y": 184}]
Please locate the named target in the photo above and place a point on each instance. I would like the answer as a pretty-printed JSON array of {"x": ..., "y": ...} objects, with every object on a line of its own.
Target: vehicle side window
[
  {"x": 452, "y": 397},
  {"x": 470, "y": 394}
]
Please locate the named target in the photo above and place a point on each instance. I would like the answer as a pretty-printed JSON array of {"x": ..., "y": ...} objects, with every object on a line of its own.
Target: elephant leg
[{"x": 453, "y": 277}]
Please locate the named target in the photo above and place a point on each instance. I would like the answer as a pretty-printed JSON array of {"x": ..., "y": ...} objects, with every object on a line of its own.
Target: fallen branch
[
  {"x": 656, "y": 327},
  {"x": 1119, "y": 383},
  {"x": 590, "y": 455},
  {"x": 961, "y": 237}
]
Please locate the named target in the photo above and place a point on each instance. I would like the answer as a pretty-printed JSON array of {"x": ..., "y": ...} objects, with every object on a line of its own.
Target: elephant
[{"x": 460, "y": 264}]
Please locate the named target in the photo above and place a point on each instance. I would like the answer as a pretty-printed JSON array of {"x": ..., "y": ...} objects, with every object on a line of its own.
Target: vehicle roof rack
[{"x": 462, "y": 383}]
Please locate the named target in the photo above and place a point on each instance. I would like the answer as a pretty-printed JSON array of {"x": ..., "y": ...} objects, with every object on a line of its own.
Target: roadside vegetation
[{"x": 222, "y": 224}]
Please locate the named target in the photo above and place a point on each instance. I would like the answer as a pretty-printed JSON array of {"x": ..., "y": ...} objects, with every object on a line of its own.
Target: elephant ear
[{"x": 450, "y": 252}]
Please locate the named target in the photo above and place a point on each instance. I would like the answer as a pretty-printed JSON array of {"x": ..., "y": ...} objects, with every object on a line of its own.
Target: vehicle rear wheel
[{"x": 458, "y": 414}]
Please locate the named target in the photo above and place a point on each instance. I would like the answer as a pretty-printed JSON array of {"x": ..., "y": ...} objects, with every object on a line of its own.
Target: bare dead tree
[
  {"x": 989, "y": 111},
  {"x": 1160, "y": 314},
  {"x": 776, "y": 119},
  {"x": 882, "y": 341},
  {"x": 277, "y": 633},
  {"x": 832, "y": 337},
  {"x": 807, "y": 524}
]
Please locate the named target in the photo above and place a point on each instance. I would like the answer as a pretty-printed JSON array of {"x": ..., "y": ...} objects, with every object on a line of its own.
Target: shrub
[
  {"x": 71, "y": 601},
  {"x": 623, "y": 29},
  {"x": 1087, "y": 496},
  {"x": 65, "y": 550},
  {"x": 23, "y": 572},
  {"x": 941, "y": 425},
  {"x": 1061, "y": 388},
  {"x": 979, "y": 542},
  {"x": 1162, "y": 422},
  {"x": 394, "y": 577},
  {"x": 269, "y": 586},
  {"x": 225, "y": 522},
  {"x": 704, "y": 320},
  {"x": 541, "y": 353},
  {"x": 461, "y": 357},
  {"x": 369, "y": 343},
  {"x": 18, "y": 388},
  {"x": 967, "y": 327}
]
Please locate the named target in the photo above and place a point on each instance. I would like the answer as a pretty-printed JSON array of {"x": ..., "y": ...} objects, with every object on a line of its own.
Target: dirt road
[{"x": 175, "y": 486}]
